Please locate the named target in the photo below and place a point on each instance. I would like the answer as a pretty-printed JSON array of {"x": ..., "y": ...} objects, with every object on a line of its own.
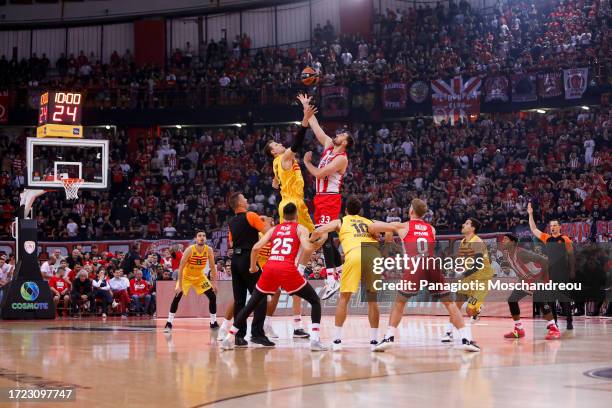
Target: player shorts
[
  {"x": 283, "y": 276},
  {"x": 359, "y": 267},
  {"x": 432, "y": 275},
  {"x": 327, "y": 208},
  {"x": 303, "y": 214},
  {"x": 476, "y": 297},
  {"x": 200, "y": 285}
]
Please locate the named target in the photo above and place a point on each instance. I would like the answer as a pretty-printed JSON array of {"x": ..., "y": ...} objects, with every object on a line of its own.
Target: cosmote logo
[{"x": 29, "y": 293}]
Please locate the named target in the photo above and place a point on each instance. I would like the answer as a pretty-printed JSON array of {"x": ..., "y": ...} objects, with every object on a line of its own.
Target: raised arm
[
  {"x": 532, "y": 225},
  {"x": 321, "y": 136},
  {"x": 256, "y": 248},
  {"x": 289, "y": 155}
]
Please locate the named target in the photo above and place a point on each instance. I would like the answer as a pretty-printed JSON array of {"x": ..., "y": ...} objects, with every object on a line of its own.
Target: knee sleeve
[
  {"x": 331, "y": 253},
  {"x": 175, "y": 302},
  {"x": 515, "y": 310},
  {"x": 212, "y": 301}
]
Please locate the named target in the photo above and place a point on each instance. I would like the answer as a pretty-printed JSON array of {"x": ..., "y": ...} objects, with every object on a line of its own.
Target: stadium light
[
  {"x": 107, "y": 127},
  {"x": 540, "y": 111},
  {"x": 297, "y": 122},
  {"x": 238, "y": 125},
  {"x": 585, "y": 107},
  {"x": 179, "y": 127}
]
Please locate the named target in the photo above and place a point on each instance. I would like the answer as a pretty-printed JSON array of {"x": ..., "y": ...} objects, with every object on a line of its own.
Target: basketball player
[
  {"x": 328, "y": 199},
  {"x": 298, "y": 329},
  {"x": 561, "y": 267},
  {"x": 419, "y": 239},
  {"x": 519, "y": 260},
  {"x": 472, "y": 247},
  {"x": 280, "y": 271},
  {"x": 191, "y": 274},
  {"x": 360, "y": 249},
  {"x": 288, "y": 176}
]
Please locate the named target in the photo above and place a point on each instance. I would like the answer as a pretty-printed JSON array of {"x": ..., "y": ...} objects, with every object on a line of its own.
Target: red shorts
[
  {"x": 430, "y": 275},
  {"x": 277, "y": 275},
  {"x": 327, "y": 208}
]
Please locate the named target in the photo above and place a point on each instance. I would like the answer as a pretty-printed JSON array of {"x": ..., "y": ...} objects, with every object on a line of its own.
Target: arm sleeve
[
  {"x": 255, "y": 221},
  {"x": 299, "y": 139}
]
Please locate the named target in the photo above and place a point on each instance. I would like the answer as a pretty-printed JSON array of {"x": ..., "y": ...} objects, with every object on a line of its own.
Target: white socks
[
  {"x": 373, "y": 333},
  {"x": 226, "y": 324},
  {"x": 466, "y": 333},
  {"x": 297, "y": 323},
  {"x": 449, "y": 328},
  {"x": 338, "y": 333},
  {"x": 518, "y": 324},
  {"x": 171, "y": 317},
  {"x": 213, "y": 317},
  {"x": 391, "y": 331},
  {"x": 314, "y": 332}
]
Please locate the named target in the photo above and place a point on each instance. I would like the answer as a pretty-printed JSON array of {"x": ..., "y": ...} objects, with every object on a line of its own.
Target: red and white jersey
[
  {"x": 420, "y": 239},
  {"x": 528, "y": 272},
  {"x": 330, "y": 184},
  {"x": 285, "y": 245}
]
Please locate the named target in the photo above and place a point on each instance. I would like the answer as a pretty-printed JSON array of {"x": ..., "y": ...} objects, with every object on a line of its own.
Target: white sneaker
[
  {"x": 384, "y": 344},
  {"x": 336, "y": 346},
  {"x": 222, "y": 334},
  {"x": 114, "y": 305},
  {"x": 469, "y": 345},
  {"x": 373, "y": 344},
  {"x": 330, "y": 288},
  {"x": 227, "y": 344},
  {"x": 316, "y": 345},
  {"x": 270, "y": 331},
  {"x": 104, "y": 315},
  {"x": 447, "y": 338}
]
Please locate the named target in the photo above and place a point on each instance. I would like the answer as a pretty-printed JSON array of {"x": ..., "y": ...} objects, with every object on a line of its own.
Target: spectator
[
  {"x": 140, "y": 291},
  {"x": 60, "y": 289},
  {"x": 81, "y": 292},
  {"x": 47, "y": 269},
  {"x": 102, "y": 291},
  {"x": 119, "y": 286}
]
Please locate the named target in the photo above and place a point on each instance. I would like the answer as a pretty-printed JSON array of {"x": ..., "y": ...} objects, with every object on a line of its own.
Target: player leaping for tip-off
[{"x": 328, "y": 199}]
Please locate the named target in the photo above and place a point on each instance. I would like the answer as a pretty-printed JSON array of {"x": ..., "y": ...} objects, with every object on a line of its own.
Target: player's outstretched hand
[
  {"x": 308, "y": 157},
  {"x": 304, "y": 99},
  {"x": 309, "y": 112},
  {"x": 253, "y": 269},
  {"x": 529, "y": 209},
  {"x": 317, "y": 237},
  {"x": 177, "y": 290}
]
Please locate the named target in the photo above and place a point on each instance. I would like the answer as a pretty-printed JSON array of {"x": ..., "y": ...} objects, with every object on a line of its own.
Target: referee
[
  {"x": 245, "y": 227},
  {"x": 561, "y": 261}
]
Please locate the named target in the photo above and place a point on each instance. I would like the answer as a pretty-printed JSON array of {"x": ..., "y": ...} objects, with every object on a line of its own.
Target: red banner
[{"x": 4, "y": 100}]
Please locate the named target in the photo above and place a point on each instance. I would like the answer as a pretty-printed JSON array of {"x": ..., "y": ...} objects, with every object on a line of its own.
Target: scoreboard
[{"x": 59, "y": 115}]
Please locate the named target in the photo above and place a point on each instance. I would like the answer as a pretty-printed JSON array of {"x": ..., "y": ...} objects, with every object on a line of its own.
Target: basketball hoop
[{"x": 72, "y": 185}]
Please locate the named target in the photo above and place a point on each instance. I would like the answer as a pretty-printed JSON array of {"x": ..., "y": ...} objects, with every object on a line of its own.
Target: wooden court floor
[{"x": 131, "y": 363}]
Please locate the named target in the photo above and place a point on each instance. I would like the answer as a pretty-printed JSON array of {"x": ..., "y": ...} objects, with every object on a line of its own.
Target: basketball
[{"x": 310, "y": 76}]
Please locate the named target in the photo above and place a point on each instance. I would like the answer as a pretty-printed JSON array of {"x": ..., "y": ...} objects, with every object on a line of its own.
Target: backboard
[{"x": 49, "y": 160}]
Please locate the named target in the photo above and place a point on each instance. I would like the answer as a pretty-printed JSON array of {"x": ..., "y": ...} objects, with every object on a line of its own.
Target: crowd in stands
[
  {"x": 418, "y": 43},
  {"x": 168, "y": 185}
]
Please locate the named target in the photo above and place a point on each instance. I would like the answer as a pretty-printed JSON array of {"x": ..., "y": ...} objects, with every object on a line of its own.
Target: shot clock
[{"x": 59, "y": 114}]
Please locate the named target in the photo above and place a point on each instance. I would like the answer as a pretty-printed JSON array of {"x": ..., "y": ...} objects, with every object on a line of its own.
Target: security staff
[{"x": 245, "y": 227}]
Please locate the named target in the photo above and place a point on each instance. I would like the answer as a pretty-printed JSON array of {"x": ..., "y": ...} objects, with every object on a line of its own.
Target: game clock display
[{"x": 63, "y": 108}]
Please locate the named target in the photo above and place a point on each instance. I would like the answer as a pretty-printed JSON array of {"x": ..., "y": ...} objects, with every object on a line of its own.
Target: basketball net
[{"x": 71, "y": 186}]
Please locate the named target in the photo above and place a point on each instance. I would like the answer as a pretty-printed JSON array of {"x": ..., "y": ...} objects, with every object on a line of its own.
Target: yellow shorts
[
  {"x": 358, "y": 267},
  {"x": 475, "y": 298},
  {"x": 200, "y": 285},
  {"x": 303, "y": 214}
]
